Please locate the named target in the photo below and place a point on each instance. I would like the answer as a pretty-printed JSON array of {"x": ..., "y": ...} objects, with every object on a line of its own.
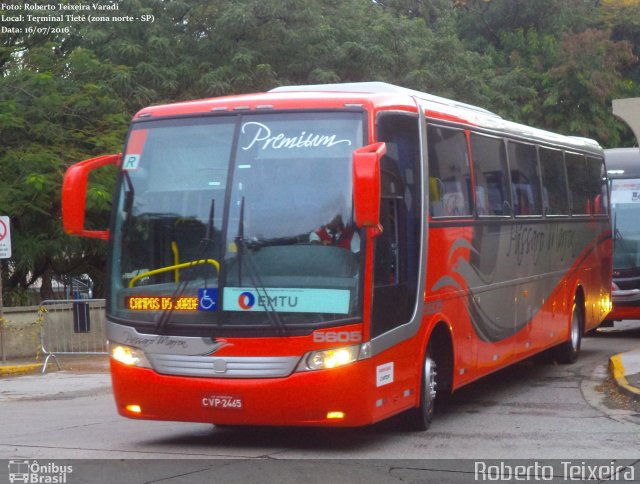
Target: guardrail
[{"x": 72, "y": 327}]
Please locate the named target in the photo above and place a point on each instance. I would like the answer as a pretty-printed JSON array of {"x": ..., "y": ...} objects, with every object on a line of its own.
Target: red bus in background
[
  {"x": 623, "y": 165},
  {"x": 333, "y": 255}
]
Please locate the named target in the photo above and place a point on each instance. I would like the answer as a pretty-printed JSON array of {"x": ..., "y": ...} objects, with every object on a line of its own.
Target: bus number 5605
[{"x": 337, "y": 337}]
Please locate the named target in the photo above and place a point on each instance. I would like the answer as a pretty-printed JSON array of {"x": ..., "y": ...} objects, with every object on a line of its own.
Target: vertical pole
[{"x": 4, "y": 354}]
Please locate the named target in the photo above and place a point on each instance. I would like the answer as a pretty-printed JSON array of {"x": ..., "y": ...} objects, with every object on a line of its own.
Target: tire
[
  {"x": 420, "y": 418},
  {"x": 568, "y": 351}
]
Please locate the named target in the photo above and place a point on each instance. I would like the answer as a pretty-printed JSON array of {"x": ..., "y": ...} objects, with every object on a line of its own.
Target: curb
[
  {"x": 12, "y": 370},
  {"x": 616, "y": 368}
]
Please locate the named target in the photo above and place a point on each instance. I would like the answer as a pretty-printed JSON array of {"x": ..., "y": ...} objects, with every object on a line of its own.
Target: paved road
[{"x": 535, "y": 410}]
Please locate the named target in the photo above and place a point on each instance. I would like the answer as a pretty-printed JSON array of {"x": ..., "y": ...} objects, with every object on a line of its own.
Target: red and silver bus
[
  {"x": 333, "y": 255},
  {"x": 623, "y": 165}
]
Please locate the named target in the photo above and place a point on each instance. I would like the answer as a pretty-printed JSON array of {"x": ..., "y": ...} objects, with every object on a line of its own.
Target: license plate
[{"x": 224, "y": 402}]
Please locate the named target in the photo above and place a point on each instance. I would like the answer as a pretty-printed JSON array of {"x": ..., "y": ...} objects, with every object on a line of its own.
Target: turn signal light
[
  {"x": 134, "y": 408},
  {"x": 335, "y": 415}
]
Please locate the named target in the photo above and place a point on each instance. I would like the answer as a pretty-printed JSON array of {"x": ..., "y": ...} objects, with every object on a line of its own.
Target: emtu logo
[{"x": 246, "y": 300}]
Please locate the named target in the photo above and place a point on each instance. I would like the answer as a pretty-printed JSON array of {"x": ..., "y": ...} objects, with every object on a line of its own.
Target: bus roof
[
  {"x": 623, "y": 162},
  {"x": 381, "y": 87},
  {"x": 452, "y": 110},
  {"x": 376, "y": 95}
]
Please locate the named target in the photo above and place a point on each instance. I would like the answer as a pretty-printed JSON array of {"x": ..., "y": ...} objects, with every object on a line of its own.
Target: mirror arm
[{"x": 74, "y": 195}]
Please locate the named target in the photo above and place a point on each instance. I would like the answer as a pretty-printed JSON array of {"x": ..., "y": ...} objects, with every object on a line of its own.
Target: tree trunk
[{"x": 46, "y": 289}]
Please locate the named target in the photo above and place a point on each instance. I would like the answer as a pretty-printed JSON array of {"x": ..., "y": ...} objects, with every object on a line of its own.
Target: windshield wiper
[
  {"x": 203, "y": 246},
  {"x": 254, "y": 275},
  {"x": 209, "y": 233}
]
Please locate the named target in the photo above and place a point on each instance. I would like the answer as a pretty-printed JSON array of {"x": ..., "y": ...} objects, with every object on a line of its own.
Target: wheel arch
[{"x": 440, "y": 338}]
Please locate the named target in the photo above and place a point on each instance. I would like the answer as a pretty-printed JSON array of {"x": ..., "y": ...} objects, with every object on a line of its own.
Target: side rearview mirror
[
  {"x": 74, "y": 195},
  {"x": 366, "y": 184}
]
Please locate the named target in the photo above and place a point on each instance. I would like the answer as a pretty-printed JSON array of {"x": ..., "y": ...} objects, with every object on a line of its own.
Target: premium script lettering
[{"x": 262, "y": 137}]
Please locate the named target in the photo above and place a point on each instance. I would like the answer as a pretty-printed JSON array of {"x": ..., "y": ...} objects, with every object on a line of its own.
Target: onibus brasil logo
[{"x": 33, "y": 472}]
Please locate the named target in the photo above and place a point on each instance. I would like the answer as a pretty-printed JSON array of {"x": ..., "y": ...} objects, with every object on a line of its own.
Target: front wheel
[
  {"x": 568, "y": 351},
  {"x": 420, "y": 418}
]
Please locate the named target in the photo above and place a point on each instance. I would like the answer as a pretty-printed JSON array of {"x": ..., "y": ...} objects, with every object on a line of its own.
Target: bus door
[{"x": 397, "y": 248}]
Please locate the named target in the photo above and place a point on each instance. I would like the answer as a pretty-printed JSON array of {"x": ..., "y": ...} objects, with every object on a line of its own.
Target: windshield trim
[{"x": 255, "y": 328}]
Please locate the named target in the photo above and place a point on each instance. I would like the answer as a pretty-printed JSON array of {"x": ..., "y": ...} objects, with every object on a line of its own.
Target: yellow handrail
[
  {"x": 176, "y": 260},
  {"x": 175, "y": 267}
]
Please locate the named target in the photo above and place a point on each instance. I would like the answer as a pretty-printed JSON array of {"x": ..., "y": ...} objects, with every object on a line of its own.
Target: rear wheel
[{"x": 568, "y": 351}]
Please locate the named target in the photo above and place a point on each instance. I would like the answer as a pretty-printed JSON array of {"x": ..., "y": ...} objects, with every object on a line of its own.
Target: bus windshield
[
  {"x": 240, "y": 222},
  {"x": 625, "y": 202}
]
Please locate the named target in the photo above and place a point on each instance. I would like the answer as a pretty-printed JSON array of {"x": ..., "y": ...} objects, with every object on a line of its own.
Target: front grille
[{"x": 224, "y": 367}]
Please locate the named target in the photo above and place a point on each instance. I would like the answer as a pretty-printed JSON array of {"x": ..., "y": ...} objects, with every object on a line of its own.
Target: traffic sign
[{"x": 5, "y": 237}]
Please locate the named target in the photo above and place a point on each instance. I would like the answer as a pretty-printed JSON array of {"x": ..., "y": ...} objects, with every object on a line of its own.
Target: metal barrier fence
[{"x": 72, "y": 327}]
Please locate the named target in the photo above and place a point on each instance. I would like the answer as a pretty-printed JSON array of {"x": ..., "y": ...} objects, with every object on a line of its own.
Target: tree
[
  {"x": 64, "y": 97},
  {"x": 623, "y": 19},
  {"x": 52, "y": 114},
  {"x": 585, "y": 78},
  {"x": 551, "y": 66}
]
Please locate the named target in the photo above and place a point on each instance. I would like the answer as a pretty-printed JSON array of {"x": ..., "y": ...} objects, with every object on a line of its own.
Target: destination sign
[{"x": 161, "y": 303}]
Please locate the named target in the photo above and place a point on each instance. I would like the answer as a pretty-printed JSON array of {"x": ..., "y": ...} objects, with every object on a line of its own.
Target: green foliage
[
  {"x": 53, "y": 112},
  {"x": 555, "y": 64}
]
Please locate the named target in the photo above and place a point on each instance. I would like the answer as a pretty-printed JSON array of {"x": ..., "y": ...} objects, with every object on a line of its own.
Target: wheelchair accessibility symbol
[{"x": 208, "y": 299}]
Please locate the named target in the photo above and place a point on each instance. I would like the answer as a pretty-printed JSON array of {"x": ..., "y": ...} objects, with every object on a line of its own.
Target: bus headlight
[
  {"x": 325, "y": 359},
  {"x": 127, "y": 355}
]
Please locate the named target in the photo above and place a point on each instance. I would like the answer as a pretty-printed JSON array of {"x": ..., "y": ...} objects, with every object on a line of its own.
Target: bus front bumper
[
  {"x": 626, "y": 304},
  {"x": 335, "y": 397}
]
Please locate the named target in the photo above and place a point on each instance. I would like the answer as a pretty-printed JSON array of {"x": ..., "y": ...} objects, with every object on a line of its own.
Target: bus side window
[
  {"x": 525, "y": 182},
  {"x": 554, "y": 180},
  {"x": 490, "y": 169},
  {"x": 597, "y": 186},
  {"x": 577, "y": 176},
  {"x": 449, "y": 172}
]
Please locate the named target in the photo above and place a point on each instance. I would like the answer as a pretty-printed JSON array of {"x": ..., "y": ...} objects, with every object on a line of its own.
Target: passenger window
[
  {"x": 525, "y": 181},
  {"x": 449, "y": 172},
  {"x": 577, "y": 175},
  {"x": 597, "y": 186},
  {"x": 554, "y": 182},
  {"x": 490, "y": 169}
]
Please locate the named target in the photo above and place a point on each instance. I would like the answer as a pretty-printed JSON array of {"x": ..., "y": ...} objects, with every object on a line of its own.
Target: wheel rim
[
  {"x": 430, "y": 382},
  {"x": 575, "y": 330}
]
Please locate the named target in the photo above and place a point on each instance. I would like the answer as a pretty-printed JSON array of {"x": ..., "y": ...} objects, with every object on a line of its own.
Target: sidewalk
[
  {"x": 79, "y": 363},
  {"x": 625, "y": 370}
]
